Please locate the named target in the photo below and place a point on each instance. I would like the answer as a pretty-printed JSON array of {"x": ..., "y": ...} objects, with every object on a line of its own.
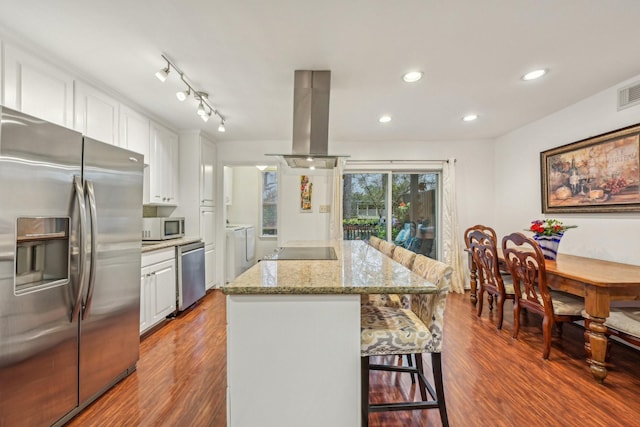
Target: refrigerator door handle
[
  {"x": 92, "y": 262},
  {"x": 79, "y": 190}
]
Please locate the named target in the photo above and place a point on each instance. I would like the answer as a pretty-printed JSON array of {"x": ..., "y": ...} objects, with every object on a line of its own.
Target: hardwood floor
[{"x": 490, "y": 378}]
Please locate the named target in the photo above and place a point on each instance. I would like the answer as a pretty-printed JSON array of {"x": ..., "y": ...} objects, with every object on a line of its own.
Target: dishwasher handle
[{"x": 183, "y": 249}]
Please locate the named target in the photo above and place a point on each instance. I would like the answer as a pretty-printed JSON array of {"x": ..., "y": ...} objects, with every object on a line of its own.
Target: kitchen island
[{"x": 293, "y": 336}]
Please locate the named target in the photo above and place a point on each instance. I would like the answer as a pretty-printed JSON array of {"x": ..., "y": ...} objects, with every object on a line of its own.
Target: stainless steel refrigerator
[{"x": 70, "y": 227}]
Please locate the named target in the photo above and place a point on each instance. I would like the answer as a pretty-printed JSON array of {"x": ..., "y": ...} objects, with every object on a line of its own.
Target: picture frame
[
  {"x": 306, "y": 192},
  {"x": 597, "y": 174}
]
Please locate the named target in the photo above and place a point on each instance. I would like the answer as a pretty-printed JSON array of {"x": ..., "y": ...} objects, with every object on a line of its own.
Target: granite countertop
[
  {"x": 359, "y": 269},
  {"x": 149, "y": 246}
]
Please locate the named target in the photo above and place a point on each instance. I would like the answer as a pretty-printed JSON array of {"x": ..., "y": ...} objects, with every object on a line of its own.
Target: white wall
[
  {"x": 296, "y": 225},
  {"x": 245, "y": 208},
  {"x": 474, "y": 170},
  {"x": 611, "y": 236},
  {"x": 474, "y": 177}
]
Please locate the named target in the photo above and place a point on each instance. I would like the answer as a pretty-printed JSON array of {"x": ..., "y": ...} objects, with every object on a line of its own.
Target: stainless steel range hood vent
[{"x": 311, "y": 122}]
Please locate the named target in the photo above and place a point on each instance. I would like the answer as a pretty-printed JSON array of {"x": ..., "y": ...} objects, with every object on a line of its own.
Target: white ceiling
[{"x": 244, "y": 53}]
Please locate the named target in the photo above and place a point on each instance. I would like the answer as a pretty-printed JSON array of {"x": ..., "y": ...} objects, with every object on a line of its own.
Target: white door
[{"x": 209, "y": 266}]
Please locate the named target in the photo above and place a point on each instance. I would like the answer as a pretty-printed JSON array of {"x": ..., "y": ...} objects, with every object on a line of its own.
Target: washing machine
[{"x": 240, "y": 250}]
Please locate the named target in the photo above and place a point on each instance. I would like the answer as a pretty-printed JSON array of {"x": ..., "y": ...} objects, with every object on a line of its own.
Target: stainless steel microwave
[{"x": 162, "y": 228}]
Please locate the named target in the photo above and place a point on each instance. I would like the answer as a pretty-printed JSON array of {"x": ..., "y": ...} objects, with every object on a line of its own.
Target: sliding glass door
[{"x": 405, "y": 212}]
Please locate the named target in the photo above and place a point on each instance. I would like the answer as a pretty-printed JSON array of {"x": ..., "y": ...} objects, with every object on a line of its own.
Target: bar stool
[
  {"x": 374, "y": 242},
  {"x": 398, "y": 331}
]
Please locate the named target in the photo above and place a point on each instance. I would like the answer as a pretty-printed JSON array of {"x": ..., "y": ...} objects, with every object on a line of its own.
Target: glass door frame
[{"x": 390, "y": 168}]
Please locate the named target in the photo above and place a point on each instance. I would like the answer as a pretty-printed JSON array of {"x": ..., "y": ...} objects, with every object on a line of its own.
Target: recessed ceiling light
[
  {"x": 535, "y": 74},
  {"x": 412, "y": 76},
  {"x": 384, "y": 119},
  {"x": 470, "y": 117}
]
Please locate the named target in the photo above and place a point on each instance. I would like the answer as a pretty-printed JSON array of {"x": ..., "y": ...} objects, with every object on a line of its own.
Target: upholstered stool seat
[{"x": 386, "y": 330}]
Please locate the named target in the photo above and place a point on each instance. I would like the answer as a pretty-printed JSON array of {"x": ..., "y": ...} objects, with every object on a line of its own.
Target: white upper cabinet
[
  {"x": 134, "y": 131},
  {"x": 96, "y": 114},
  {"x": 163, "y": 167},
  {"x": 207, "y": 173},
  {"x": 197, "y": 178},
  {"x": 36, "y": 87}
]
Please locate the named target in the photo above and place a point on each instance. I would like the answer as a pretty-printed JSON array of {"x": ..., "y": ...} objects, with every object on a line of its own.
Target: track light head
[
  {"x": 201, "y": 112},
  {"x": 183, "y": 94},
  {"x": 221, "y": 128},
  {"x": 205, "y": 117},
  {"x": 162, "y": 74}
]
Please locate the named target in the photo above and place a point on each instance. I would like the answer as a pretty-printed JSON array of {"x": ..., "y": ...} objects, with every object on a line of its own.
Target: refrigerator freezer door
[
  {"x": 109, "y": 339},
  {"x": 38, "y": 342}
]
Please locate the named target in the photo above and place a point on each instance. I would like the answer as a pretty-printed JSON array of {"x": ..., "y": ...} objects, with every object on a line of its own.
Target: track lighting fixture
[
  {"x": 201, "y": 111},
  {"x": 201, "y": 97},
  {"x": 183, "y": 94},
  {"x": 164, "y": 73}
]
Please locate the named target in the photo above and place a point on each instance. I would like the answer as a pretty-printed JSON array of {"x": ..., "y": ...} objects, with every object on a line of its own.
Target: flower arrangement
[{"x": 548, "y": 227}]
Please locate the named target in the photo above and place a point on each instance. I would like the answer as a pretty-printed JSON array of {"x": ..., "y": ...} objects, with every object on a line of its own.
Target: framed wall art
[
  {"x": 598, "y": 174},
  {"x": 306, "y": 191}
]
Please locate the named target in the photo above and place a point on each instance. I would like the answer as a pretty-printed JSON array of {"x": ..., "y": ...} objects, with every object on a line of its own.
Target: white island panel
[{"x": 293, "y": 360}]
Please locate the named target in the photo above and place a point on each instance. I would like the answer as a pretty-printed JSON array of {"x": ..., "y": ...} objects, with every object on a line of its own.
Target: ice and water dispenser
[{"x": 42, "y": 253}]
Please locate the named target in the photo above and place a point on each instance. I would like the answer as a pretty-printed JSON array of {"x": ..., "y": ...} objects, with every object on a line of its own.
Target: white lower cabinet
[
  {"x": 210, "y": 266},
  {"x": 157, "y": 287}
]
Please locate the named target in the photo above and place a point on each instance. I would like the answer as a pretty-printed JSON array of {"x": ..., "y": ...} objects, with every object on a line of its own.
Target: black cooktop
[{"x": 304, "y": 253}]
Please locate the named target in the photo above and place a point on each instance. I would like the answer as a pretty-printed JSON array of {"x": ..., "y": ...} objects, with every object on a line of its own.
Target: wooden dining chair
[
  {"x": 473, "y": 277},
  {"x": 399, "y": 331},
  {"x": 485, "y": 258},
  {"x": 526, "y": 263}
]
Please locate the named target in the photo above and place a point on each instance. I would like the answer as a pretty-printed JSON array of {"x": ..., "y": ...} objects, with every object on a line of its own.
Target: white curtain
[
  {"x": 452, "y": 249},
  {"x": 335, "y": 221}
]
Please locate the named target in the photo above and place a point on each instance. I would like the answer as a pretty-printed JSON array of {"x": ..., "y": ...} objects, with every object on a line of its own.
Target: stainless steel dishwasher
[{"x": 190, "y": 272}]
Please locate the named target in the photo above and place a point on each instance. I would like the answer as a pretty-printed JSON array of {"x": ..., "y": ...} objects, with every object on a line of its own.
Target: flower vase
[{"x": 549, "y": 244}]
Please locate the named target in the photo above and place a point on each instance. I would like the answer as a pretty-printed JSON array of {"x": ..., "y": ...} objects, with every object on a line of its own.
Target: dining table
[
  {"x": 293, "y": 332},
  {"x": 600, "y": 283}
]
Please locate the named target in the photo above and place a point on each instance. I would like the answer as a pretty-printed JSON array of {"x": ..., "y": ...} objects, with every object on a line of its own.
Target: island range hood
[{"x": 311, "y": 122}]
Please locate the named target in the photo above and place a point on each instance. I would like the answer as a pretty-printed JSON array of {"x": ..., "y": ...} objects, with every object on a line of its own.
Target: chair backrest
[
  {"x": 526, "y": 265},
  {"x": 482, "y": 228},
  {"x": 430, "y": 307},
  {"x": 404, "y": 256},
  {"x": 387, "y": 248},
  {"x": 374, "y": 242},
  {"x": 485, "y": 256}
]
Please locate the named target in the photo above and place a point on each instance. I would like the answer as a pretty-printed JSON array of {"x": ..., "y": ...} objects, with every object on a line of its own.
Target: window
[
  {"x": 405, "y": 212},
  {"x": 269, "y": 209}
]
